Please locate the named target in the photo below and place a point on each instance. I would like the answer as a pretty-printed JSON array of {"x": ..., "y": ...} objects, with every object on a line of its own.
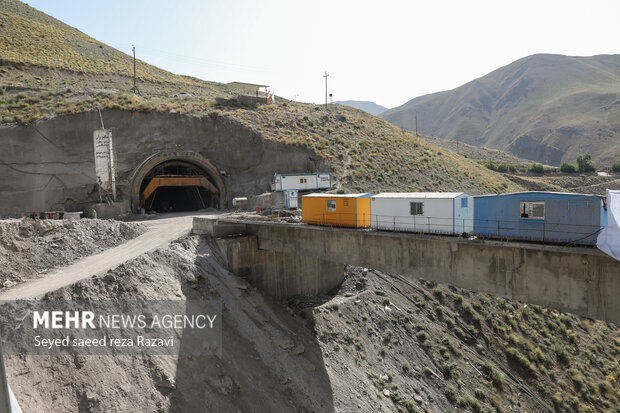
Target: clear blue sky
[{"x": 384, "y": 51}]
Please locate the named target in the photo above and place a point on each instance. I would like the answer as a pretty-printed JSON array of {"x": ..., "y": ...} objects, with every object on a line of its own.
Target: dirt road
[{"x": 162, "y": 231}]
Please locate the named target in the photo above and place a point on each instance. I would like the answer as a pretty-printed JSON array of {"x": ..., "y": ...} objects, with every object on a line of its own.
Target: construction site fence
[{"x": 505, "y": 229}]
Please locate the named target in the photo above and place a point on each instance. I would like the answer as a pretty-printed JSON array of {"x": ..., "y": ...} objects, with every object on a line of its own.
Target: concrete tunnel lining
[{"x": 189, "y": 157}]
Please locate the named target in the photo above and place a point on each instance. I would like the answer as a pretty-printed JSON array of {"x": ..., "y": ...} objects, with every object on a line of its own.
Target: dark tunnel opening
[
  {"x": 177, "y": 186},
  {"x": 179, "y": 199}
]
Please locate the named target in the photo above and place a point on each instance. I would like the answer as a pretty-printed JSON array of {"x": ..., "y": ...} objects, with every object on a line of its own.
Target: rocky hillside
[
  {"x": 366, "y": 152},
  {"x": 370, "y": 107},
  {"x": 547, "y": 108},
  {"x": 420, "y": 347}
]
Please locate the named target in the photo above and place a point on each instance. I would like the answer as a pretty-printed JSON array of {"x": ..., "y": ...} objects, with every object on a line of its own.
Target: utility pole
[
  {"x": 325, "y": 76},
  {"x": 133, "y": 48},
  {"x": 416, "y": 125}
]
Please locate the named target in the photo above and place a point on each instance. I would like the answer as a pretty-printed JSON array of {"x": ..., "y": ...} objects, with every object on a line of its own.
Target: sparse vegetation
[
  {"x": 527, "y": 123},
  {"x": 563, "y": 359},
  {"x": 422, "y": 336},
  {"x": 406, "y": 368},
  {"x": 568, "y": 168},
  {"x": 536, "y": 168},
  {"x": 584, "y": 163},
  {"x": 500, "y": 167}
]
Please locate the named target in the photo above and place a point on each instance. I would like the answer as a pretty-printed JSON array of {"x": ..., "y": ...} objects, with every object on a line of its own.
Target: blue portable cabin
[{"x": 540, "y": 216}]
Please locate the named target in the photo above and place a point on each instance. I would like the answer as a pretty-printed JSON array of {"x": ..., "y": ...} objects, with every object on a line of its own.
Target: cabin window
[
  {"x": 463, "y": 202},
  {"x": 303, "y": 180},
  {"x": 331, "y": 205},
  {"x": 417, "y": 208},
  {"x": 532, "y": 210}
]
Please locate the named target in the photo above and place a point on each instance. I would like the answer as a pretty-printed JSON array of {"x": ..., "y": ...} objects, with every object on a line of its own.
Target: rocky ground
[
  {"x": 380, "y": 342},
  {"x": 270, "y": 361},
  {"x": 394, "y": 344},
  {"x": 31, "y": 248}
]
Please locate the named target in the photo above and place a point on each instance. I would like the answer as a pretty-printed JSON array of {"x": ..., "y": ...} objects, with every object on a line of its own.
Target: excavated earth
[
  {"x": 379, "y": 343},
  {"x": 31, "y": 248}
]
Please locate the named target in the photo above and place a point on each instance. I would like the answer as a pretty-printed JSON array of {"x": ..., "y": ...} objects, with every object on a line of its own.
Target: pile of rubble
[{"x": 31, "y": 248}]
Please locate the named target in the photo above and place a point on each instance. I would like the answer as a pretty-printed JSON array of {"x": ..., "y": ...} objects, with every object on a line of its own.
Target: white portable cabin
[
  {"x": 432, "y": 212},
  {"x": 302, "y": 182},
  {"x": 291, "y": 199}
]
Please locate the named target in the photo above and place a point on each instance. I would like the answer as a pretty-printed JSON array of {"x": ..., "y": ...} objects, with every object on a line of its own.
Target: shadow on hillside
[{"x": 270, "y": 362}]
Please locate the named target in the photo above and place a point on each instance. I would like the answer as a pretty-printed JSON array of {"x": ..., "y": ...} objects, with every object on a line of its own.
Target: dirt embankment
[
  {"x": 31, "y": 248},
  {"x": 380, "y": 343},
  {"x": 270, "y": 362}
]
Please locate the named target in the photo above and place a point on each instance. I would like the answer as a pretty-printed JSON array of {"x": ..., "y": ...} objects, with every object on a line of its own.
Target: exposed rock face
[{"x": 49, "y": 165}]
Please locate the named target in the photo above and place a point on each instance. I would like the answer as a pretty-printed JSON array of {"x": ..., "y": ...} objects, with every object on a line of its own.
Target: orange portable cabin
[{"x": 341, "y": 210}]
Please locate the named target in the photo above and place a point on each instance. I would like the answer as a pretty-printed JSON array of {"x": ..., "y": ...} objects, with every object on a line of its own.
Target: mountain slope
[
  {"x": 366, "y": 153},
  {"x": 370, "y": 107},
  {"x": 32, "y": 37},
  {"x": 548, "y": 108},
  {"x": 38, "y": 52}
]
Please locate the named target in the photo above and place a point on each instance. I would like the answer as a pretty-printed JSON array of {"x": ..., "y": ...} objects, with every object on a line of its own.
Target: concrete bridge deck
[{"x": 583, "y": 281}]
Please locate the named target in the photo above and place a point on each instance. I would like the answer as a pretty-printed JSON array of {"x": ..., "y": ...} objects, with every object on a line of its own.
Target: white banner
[
  {"x": 104, "y": 160},
  {"x": 609, "y": 239}
]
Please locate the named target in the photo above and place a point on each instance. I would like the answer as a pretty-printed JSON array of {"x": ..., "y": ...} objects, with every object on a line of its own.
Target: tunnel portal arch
[{"x": 177, "y": 174}]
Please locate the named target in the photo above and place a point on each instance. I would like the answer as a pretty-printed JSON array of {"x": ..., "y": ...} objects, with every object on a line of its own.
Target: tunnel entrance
[{"x": 177, "y": 185}]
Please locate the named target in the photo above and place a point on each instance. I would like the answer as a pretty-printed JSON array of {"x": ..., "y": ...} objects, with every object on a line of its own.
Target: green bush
[
  {"x": 422, "y": 336},
  {"x": 438, "y": 293},
  {"x": 451, "y": 394},
  {"x": 562, "y": 354},
  {"x": 568, "y": 168},
  {"x": 411, "y": 406},
  {"x": 501, "y": 167},
  {"x": 491, "y": 165},
  {"x": 406, "y": 368},
  {"x": 615, "y": 167},
  {"x": 504, "y": 167},
  {"x": 585, "y": 164},
  {"x": 536, "y": 168},
  {"x": 494, "y": 374}
]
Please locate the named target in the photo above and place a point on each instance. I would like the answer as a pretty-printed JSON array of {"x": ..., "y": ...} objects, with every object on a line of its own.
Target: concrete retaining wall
[
  {"x": 579, "y": 280},
  {"x": 49, "y": 165},
  {"x": 279, "y": 274}
]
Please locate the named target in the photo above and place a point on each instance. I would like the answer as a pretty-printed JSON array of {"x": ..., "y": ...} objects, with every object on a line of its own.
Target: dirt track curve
[{"x": 161, "y": 232}]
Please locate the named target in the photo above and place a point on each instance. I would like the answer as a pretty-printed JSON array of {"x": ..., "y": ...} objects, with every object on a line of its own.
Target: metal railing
[
  {"x": 529, "y": 230},
  {"x": 8, "y": 402}
]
